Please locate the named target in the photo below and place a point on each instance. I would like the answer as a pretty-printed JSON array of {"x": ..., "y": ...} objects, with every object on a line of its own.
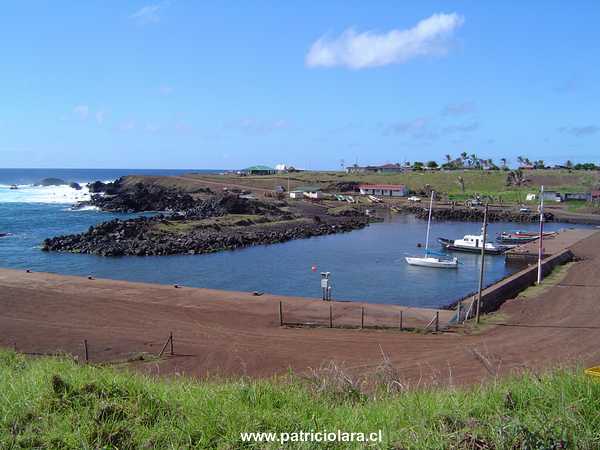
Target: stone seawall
[{"x": 495, "y": 295}]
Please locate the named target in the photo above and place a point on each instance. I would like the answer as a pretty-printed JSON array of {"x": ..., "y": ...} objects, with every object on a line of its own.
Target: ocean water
[{"x": 366, "y": 265}]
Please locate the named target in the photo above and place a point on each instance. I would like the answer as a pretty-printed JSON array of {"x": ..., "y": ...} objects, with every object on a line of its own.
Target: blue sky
[{"x": 180, "y": 84}]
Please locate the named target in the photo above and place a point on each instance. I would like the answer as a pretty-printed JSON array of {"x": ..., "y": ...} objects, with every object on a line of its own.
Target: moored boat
[
  {"x": 438, "y": 261},
  {"x": 433, "y": 261},
  {"x": 471, "y": 244},
  {"x": 522, "y": 237}
]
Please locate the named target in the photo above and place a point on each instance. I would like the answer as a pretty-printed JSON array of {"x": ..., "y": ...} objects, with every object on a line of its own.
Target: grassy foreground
[{"x": 56, "y": 403}]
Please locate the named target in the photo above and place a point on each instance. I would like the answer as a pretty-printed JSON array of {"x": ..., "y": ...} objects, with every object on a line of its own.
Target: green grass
[
  {"x": 185, "y": 226},
  {"x": 492, "y": 183},
  {"x": 56, "y": 403}
]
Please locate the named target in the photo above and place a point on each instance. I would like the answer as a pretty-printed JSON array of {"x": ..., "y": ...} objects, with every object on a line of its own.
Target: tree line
[{"x": 472, "y": 161}]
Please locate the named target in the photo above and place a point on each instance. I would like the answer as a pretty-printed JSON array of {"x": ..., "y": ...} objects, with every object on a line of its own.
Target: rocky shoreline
[
  {"x": 476, "y": 214},
  {"x": 137, "y": 237},
  {"x": 195, "y": 226}
]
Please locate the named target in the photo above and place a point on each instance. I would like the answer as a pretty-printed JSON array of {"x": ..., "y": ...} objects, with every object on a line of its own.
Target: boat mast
[{"x": 429, "y": 223}]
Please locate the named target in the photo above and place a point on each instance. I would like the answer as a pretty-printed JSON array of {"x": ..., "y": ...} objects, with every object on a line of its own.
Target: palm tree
[
  {"x": 448, "y": 158},
  {"x": 503, "y": 161},
  {"x": 461, "y": 181}
]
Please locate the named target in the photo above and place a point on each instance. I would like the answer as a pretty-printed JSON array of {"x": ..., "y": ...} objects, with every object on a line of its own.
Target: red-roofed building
[
  {"x": 595, "y": 196},
  {"x": 384, "y": 190}
]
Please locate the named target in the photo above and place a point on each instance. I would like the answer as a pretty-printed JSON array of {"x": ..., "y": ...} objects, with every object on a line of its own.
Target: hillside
[
  {"x": 57, "y": 403},
  {"x": 475, "y": 181}
]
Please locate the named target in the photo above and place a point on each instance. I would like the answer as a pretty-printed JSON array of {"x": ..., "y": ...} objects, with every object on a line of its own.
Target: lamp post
[{"x": 541, "y": 238}]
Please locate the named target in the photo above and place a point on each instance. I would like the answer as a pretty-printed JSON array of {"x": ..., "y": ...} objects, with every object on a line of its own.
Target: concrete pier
[{"x": 528, "y": 253}]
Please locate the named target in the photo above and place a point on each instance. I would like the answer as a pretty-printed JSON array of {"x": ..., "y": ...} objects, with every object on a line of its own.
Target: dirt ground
[{"x": 233, "y": 334}]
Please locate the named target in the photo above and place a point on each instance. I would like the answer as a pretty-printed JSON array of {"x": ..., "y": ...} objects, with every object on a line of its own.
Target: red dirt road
[{"x": 232, "y": 333}]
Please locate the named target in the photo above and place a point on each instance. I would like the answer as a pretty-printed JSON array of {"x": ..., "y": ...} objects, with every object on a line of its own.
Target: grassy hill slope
[
  {"x": 475, "y": 181},
  {"x": 56, "y": 403}
]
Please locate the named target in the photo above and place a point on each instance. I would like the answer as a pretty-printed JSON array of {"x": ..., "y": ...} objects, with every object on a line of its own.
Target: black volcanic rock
[
  {"x": 51, "y": 182},
  {"x": 75, "y": 186},
  {"x": 98, "y": 187},
  {"x": 140, "y": 198},
  {"x": 139, "y": 237},
  {"x": 476, "y": 215}
]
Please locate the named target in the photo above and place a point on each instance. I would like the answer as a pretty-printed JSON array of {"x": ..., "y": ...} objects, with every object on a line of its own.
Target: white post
[{"x": 541, "y": 238}]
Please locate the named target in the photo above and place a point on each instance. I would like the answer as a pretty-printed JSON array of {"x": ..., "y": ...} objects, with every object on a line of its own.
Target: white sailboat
[{"x": 428, "y": 260}]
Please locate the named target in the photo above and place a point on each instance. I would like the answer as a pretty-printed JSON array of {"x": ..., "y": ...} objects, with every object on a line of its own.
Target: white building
[
  {"x": 313, "y": 192},
  {"x": 383, "y": 190}
]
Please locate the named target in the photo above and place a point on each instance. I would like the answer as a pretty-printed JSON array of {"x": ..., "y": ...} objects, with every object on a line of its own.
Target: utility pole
[
  {"x": 541, "y": 238},
  {"x": 485, "y": 212}
]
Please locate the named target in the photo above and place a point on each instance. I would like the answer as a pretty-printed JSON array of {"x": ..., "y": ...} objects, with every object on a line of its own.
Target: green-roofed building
[{"x": 259, "y": 170}]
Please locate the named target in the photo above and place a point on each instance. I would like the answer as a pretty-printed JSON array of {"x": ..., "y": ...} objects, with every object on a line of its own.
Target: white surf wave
[{"x": 29, "y": 193}]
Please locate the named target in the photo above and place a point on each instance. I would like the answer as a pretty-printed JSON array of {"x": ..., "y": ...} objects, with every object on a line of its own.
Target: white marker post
[{"x": 541, "y": 238}]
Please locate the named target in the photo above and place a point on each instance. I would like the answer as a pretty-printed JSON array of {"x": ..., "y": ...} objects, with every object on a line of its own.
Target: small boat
[
  {"x": 508, "y": 238},
  {"x": 374, "y": 199},
  {"x": 471, "y": 244},
  {"x": 522, "y": 237},
  {"x": 14, "y": 187},
  {"x": 437, "y": 261},
  {"x": 350, "y": 199},
  {"x": 433, "y": 261},
  {"x": 546, "y": 234}
]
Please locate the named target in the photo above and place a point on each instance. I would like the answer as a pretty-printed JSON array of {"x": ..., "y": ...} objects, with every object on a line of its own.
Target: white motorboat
[
  {"x": 471, "y": 244},
  {"x": 430, "y": 259}
]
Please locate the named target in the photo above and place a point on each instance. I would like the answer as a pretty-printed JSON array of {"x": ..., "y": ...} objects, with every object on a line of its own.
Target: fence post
[
  {"x": 362, "y": 317},
  {"x": 330, "y": 315},
  {"x": 437, "y": 321},
  {"x": 85, "y": 348},
  {"x": 171, "y": 340},
  {"x": 280, "y": 314},
  {"x": 401, "y": 324},
  {"x": 458, "y": 312},
  {"x": 165, "y": 346}
]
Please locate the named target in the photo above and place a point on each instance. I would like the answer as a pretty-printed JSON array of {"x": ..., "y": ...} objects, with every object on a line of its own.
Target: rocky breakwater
[
  {"x": 476, "y": 214},
  {"x": 219, "y": 223}
]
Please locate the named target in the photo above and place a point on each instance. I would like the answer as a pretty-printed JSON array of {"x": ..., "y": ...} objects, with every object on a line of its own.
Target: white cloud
[
  {"x": 149, "y": 13},
  {"x": 420, "y": 127},
  {"x": 255, "y": 126},
  {"x": 82, "y": 111},
  {"x": 457, "y": 109},
  {"x": 428, "y": 129},
  {"x": 152, "y": 127},
  {"x": 369, "y": 49},
  {"x": 166, "y": 90},
  {"x": 127, "y": 125},
  {"x": 182, "y": 127},
  {"x": 100, "y": 116},
  {"x": 464, "y": 128},
  {"x": 580, "y": 131}
]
